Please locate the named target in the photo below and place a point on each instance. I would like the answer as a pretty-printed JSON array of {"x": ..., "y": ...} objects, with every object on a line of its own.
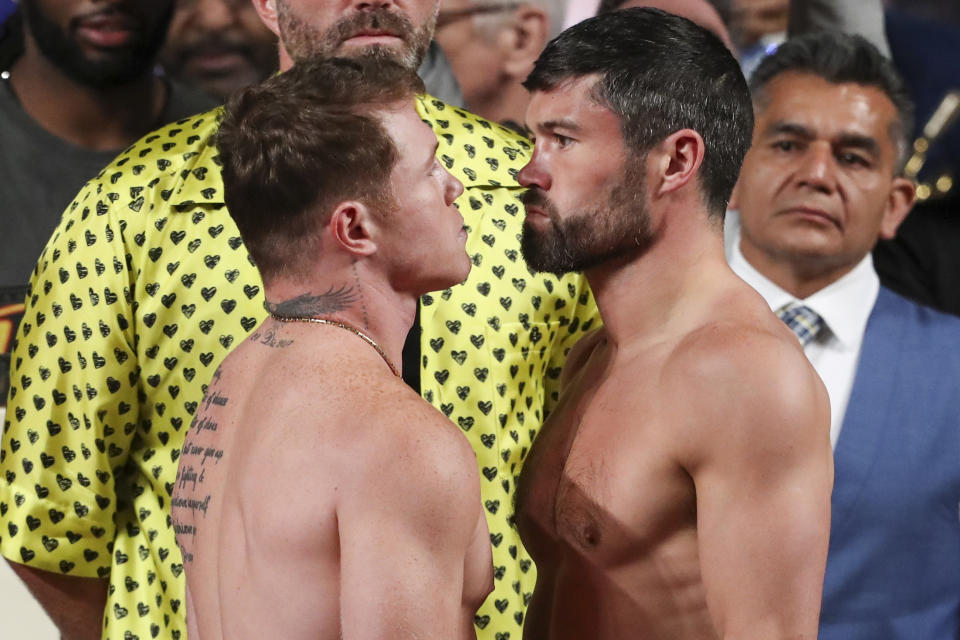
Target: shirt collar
[{"x": 844, "y": 305}]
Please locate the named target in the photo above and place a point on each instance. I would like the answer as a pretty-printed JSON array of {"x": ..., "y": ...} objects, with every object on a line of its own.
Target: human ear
[
  {"x": 681, "y": 155},
  {"x": 353, "y": 228},
  {"x": 903, "y": 194},
  {"x": 523, "y": 40},
  {"x": 267, "y": 10}
]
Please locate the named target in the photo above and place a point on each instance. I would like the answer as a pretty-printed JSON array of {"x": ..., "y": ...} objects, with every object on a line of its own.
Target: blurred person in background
[
  {"x": 922, "y": 261},
  {"x": 700, "y": 12},
  {"x": 218, "y": 46},
  {"x": 491, "y": 46},
  {"x": 821, "y": 183},
  {"x": 6, "y": 8},
  {"x": 82, "y": 89},
  {"x": 76, "y": 87},
  {"x": 758, "y": 26}
]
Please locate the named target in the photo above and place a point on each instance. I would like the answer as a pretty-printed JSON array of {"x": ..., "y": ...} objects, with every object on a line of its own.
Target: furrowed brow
[
  {"x": 782, "y": 127},
  {"x": 858, "y": 141}
]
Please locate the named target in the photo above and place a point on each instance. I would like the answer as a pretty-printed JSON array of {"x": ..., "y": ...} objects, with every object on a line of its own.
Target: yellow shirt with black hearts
[{"x": 141, "y": 292}]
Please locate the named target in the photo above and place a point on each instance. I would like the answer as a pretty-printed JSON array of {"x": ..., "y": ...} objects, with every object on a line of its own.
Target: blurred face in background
[
  {"x": 469, "y": 31},
  {"x": 699, "y": 12},
  {"x": 491, "y": 46},
  {"x": 99, "y": 44},
  {"x": 399, "y": 31},
  {"x": 754, "y": 19},
  {"x": 218, "y": 46}
]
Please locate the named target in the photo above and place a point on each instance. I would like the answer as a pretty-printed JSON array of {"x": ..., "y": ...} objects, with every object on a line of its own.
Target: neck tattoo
[{"x": 345, "y": 327}]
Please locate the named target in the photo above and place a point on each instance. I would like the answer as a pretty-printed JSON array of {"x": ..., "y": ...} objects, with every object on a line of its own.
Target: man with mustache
[
  {"x": 76, "y": 87},
  {"x": 219, "y": 46},
  {"x": 821, "y": 183},
  {"x": 681, "y": 488},
  {"x": 146, "y": 286}
]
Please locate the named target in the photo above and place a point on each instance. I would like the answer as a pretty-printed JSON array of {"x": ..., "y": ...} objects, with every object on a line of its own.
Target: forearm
[{"x": 75, "y": 605}]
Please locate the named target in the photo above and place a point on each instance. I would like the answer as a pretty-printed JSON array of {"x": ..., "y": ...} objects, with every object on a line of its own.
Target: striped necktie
[{"x": 802, "y": 320}]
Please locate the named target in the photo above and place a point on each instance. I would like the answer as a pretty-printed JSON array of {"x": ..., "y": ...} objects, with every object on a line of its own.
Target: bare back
[
  {"x": 319, "y": 497},
  {"x": 647, "y": 499}
]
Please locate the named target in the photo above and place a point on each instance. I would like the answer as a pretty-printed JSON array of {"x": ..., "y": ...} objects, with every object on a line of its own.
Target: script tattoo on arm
[
  {"x": 307, "y": 304},
  {"x": 196, "y": 459}
]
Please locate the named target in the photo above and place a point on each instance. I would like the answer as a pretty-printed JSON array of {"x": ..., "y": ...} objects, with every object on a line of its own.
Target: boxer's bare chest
[{"x": 601, "y": 478}]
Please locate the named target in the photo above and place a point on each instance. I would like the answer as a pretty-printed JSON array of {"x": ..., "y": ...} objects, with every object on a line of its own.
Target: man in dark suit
[{"x": 822, "y": 182}]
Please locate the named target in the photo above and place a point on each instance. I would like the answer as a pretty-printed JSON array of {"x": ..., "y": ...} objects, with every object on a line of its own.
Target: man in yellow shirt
[{"x": 144, "y": 288}]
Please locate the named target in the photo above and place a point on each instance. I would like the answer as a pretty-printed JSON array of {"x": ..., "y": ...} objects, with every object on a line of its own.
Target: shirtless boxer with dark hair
[{"x": 681, "y": 489}]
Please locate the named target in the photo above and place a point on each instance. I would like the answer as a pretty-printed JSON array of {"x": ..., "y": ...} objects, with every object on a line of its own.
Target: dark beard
[
  {"x": 115, "y": 68},
  {"x": 303, "y": 42},
  {"x": 586, "y": 240}
]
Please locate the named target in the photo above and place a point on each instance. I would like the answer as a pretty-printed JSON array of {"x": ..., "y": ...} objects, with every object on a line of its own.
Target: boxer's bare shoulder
[
  {"x": 750, "y": 416},
  {"x": 410, "y": 524},
  {"x": 731, "y": 379}
]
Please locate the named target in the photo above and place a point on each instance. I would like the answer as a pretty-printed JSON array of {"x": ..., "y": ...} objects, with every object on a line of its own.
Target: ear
[
  {"x": 353, "y": 228},
  {"x": 267, "y": 10},
  {"x": 679, "y": 160},
  {"x": 524, "y": 39},
  {"x": 902, "y": 196}
]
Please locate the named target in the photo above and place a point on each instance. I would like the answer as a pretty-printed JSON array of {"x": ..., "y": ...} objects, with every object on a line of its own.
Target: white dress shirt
[{"x": 844, "y": 306}]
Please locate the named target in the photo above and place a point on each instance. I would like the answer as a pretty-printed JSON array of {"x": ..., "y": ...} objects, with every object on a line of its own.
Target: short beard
[
  {"x": 302, "y": 41},
  {"x": 585, "y": 240},
  {"x": 115, "y": 69}
]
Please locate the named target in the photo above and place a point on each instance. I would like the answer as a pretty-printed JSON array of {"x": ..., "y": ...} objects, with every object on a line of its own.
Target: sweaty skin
[
  {"x": 671, "y": 493},
  {"x": 344, "y": 506}
]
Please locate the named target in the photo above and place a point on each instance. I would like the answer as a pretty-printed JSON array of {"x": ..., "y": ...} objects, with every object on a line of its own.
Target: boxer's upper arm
[
  {"x": 405, "y": 527},
  {"x": 763, "y": 471}
]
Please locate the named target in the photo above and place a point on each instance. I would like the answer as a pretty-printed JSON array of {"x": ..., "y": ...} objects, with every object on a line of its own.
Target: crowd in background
[
  {"x": 193, "y": 54},
  {"x": 214, "y": 47}
]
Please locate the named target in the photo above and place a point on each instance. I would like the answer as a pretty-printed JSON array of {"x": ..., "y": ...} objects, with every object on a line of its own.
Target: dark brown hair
[
  {"x": 841, "y": 58},
  {"x": 659, "y": 73},
  {"x": 301, "y": 142}
]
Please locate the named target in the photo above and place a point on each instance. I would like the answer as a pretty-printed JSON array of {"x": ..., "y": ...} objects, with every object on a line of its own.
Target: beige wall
[{"x": 21, "y": 618}]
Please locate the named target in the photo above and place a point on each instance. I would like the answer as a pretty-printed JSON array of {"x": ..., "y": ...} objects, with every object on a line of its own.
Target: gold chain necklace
[{"x": 346, "y": 327}]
